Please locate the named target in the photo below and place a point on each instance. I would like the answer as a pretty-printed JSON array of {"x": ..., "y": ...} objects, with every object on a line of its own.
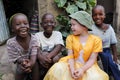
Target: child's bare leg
[
  {"x": 36, "y": 72},
  {"x": 20, "y": 76}
]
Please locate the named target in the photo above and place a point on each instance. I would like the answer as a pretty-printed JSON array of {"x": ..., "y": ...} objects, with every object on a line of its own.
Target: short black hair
[{"x": 46, "y": 15}]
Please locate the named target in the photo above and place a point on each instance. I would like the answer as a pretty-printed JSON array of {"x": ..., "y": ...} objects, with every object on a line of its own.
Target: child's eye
[
  {"x": 44, "y": 22},
  {"x": 72, "y": 24},
  {"x": 51, "y": 22},
  {"x": 17, "y": 24},
  {"x": 25, "y": 23}
]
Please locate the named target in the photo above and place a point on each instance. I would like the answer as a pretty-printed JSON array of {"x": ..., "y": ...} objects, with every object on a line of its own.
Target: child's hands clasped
[
  {"x": 26, "y": 65},
  {"x": 45, "y": 60},
  {"x": 78, "y": 73}
]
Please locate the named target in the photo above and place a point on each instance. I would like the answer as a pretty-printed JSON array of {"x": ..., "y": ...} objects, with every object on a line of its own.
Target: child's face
[
  {"x": 98, "y": 15},
  {"x": 48, "y": 23},
  {"x": 20, "y": 25},
  {"x": 76, "y": 27}
]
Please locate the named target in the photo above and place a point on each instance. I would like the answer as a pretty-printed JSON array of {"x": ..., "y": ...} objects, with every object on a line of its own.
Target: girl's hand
[
  {"x": 78, "y": 73},
  {"x": 72, "y": 72}
]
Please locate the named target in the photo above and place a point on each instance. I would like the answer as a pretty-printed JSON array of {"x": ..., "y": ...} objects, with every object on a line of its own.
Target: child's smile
[
  {"x": 98, "y": 16},
  {"x": 98, "y": 21},
  {"x": 21, "y": 26},
  {"x": 23, "y": 31},
  {"x": 48, "y": 24}
]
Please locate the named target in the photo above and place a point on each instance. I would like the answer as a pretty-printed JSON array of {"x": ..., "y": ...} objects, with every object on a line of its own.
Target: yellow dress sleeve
[
  {"x": 68, "y": 46},
  {"x": 69, "y": 42},
  {"x": 97, "y": 45}
]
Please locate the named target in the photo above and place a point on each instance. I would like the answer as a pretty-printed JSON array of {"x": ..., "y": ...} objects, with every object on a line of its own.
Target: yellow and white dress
[{"x": 61, "y": 71}]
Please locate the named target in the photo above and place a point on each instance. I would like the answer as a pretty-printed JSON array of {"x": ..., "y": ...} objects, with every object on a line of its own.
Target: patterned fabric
[
  {"x": 108, "y": 37},
  {"x": 34, "y": 25},
  {"x": 83, "y": 18},
  {"x": 16, "y": 51},
  {"x": 61, "y": 71}
]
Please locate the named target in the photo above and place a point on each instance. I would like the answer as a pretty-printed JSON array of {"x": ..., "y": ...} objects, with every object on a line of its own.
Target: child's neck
[
  {"x": 84, "y": 33},
  {"x": 83, "y": 38},
  {"x": 102, "y": 26},
  {"x": 22, "y": 39},
  {"x": 47, "y": 35},
  {"x": 24, "y": 42}
]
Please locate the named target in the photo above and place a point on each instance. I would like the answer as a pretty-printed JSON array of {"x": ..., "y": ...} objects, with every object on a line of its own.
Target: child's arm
[
  {"x": 90, "y": 62},
  {"x": 30, "y": 63},
  {"x": 114, "y": 52},
  {"x": 71, "y": 67},
  {"x": 79, "y": 72},
  {"x": 13, "y": 52},
  {"x": 71, "y": 63},
  {"x": 58, "y": 45},
  {"x": 33, "y": 56},
  {"x": 27, "y": 64},
  {"x": 113, "y": 41},
  {"x": 92, "y": 59},
  {"x": 43, "y": 60},
  {"x": 55, "y": 51}
]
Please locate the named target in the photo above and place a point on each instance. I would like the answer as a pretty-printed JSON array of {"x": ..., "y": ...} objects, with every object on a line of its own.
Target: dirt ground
[{"x": 7, "y": 69}]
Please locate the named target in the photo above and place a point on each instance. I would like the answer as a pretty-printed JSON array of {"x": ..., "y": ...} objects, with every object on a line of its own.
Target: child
[
  {"x": 51, "y": 44},
  {"x": 107, "y": 34},
  {"x": 22, "y": 49},
  {"x": 83, "y": 48}
]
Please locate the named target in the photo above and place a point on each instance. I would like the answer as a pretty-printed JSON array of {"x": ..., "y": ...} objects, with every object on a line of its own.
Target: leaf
[
  {"x": 64, "y": 52},
  {"x": 80, "y": 0},
  {"x": 60, "y": 3},
  {"x": 58, "y": 27},
  {"x": 89, "y": 10},
  {"x": 92, "y": 2},
  {"x": 81, "y": 5},
  {"x": 71, "y": 9},
  {"x": 65, "y": 34},
  {"x": 62, "y": 19},
  {"x": 59, "y": 18}
]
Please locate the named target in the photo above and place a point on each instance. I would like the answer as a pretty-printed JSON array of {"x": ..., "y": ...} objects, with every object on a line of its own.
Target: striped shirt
[{"x": 16, "y": 51}]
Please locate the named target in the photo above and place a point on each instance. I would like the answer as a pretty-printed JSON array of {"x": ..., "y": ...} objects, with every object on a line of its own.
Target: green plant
[{"x": 69, "y": 7}]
